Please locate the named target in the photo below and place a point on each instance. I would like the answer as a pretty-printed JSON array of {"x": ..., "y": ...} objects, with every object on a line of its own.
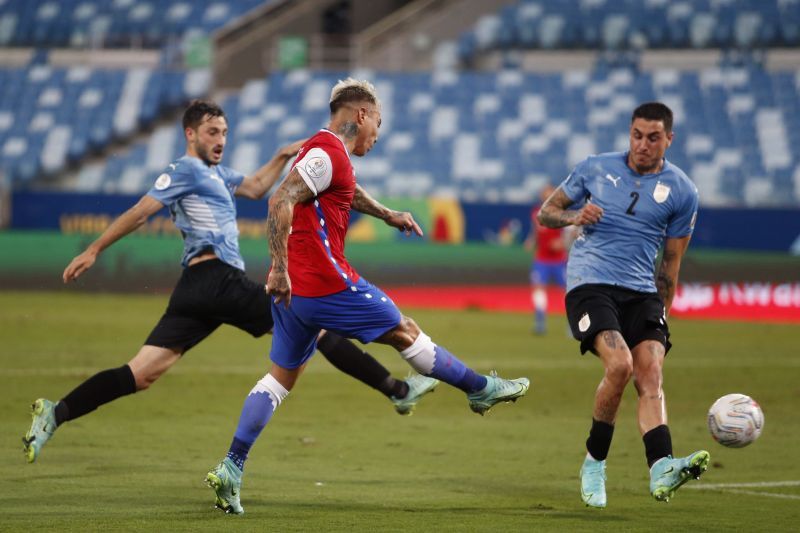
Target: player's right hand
[
  {"x": 79, "y": 265},
  {"x": 279, "y": 287},
  {"x": 589, "y": 214}
]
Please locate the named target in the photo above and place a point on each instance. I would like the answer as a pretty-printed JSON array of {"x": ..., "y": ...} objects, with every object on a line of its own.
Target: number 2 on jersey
[{"x": 635, "y": 196}]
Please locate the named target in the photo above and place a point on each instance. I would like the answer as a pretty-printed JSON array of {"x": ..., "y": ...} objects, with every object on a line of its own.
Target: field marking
[
  {"x": 758, "y": 493},
  {"x": 793, "y": 483},
  {"x": 739, "y": 488}
]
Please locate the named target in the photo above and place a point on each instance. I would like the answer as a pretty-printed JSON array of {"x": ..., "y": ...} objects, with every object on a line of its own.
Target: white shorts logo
[
  {"x": 661, "y": 192},
  {"x": 316, "y": 167},
  {"x": 584, "y": 323},
  {"x": 163, "y": 182}
]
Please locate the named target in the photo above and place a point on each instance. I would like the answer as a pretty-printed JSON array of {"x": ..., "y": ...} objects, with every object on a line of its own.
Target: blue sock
[
  {"x": 448, "y": 368},
  {"x": 256, "y": 412},
  {"x": 540, "y": 319},
  {"x": 238, "y": 452}
]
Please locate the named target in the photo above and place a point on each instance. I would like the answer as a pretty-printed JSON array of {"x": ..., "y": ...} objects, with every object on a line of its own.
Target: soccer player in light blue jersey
[
  {"x": 213, "y": 288},
  {"x": 631, "y": 203}
]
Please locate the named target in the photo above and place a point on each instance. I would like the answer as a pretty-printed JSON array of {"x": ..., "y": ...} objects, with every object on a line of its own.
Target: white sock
[
  {"x": 270, "y": 385},
  {"x": 421, "y": 354}
]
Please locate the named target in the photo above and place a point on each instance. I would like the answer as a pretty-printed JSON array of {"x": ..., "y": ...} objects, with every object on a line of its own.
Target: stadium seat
[
  {"x": 633, "y": 24},
  {"x": 474, "y": 134},
  {"x": 121, "y": 23},
  {"x": 52, "y": 117}
]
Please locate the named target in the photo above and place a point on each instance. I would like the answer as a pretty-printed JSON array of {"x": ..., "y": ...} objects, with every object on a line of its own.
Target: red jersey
[
  {"x": 548, "y": 241},
  {"x": 317, "y": 266}
]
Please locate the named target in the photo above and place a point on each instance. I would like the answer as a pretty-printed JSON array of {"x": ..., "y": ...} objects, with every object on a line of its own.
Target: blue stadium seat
[
  {"x": 63, "y": 114},
  {"x": 634, "y": 24},
  {"x": 472, "y": 134},
  {"x": 146, "y": 23}
]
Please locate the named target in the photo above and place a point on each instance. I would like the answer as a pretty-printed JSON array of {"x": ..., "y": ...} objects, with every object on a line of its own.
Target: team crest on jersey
[
  {"x": 661, "y": 192},
  {"x": 163, "y": 181},
  {"x": 316, "y": 167},
  {"x": 584, "y": 323}
]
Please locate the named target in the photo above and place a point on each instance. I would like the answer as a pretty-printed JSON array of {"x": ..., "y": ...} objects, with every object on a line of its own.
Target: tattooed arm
[
  {"x": 292, "y": 191},
  {"x": 554, "y": 213},
  {"x": 667, "y": 279},
  {"x": 402, "y": 220}
]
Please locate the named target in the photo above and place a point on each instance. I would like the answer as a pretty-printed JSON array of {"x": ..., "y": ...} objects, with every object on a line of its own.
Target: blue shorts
[
  {"x": 362, "y": 311},
  {"x": 544, "y": 273}
]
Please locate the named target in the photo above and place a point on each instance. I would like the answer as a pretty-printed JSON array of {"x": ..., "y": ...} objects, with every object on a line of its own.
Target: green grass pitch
[{"x": 337, "y": 458}]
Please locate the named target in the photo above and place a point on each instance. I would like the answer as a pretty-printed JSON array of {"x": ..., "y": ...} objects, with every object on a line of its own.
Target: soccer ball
[{"x": 735, "y": 420}]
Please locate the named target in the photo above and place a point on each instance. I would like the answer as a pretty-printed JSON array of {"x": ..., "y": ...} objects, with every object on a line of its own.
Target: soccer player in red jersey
[
  {"x": 549, "y": 264},
  {"x": 314, "y": 287}
]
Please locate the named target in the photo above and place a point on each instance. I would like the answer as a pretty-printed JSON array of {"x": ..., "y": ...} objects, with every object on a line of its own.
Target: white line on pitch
[
  {"x": 758, "y": 493},
  {"x": 756, "y": 484}
]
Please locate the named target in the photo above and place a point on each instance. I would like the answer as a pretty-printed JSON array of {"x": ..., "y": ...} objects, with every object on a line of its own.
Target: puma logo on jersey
[
  {"x": 215, "y": 177},
  {"x": 612, "y": 179}
]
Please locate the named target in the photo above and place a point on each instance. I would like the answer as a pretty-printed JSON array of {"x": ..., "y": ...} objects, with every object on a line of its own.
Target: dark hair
[
  {"x": 654, "y": 111},
  {"x": 350, "y": 94},
  {"x": 197, "y": 111}
]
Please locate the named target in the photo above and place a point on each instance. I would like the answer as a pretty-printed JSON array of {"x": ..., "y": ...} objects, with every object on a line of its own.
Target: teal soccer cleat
[
  {"x": 226, "y": 480},
  {"x": 418, "y": 386},
  {"x": 593, "y": 482},
  {"x": 42, "y": 428},
  {"x": 668, "y": 474},
  {"x": 497, "y": 390}
]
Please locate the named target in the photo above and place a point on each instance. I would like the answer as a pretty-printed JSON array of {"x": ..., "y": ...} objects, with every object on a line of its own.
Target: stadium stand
[
  {"x": 478, "y": 135},
  {"x": 501, "y": 136},
  {"x": 51, "y": 117},
  {"x": 636, "y": 24},
  {"x": 112, "y": 23}
]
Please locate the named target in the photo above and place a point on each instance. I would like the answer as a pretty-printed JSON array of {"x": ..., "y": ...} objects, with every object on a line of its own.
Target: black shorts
[
  {"x": 208, "y": 294},
  {"x": 638, "y": 316}
]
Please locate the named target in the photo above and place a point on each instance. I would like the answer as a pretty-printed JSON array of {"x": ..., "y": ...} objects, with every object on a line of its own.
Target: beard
[
  {"x": 648, "y": 168},
  {"x": 208, "y": 156}
]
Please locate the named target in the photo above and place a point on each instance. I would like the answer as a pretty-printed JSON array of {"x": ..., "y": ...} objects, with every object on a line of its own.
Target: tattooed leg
[{"x": 618, "y": 364}]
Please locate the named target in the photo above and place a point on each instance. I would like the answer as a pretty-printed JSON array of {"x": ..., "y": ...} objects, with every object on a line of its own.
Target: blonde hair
[{"x": 352, "y": 90}]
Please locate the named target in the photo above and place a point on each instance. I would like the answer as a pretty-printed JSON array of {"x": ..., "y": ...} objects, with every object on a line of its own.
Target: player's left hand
[
  {"x": 403, "y": 221},
  {"x": 79, "y": 265},
  {"x": 279, "y": 286},
  {"x": 290, "y": 150}
]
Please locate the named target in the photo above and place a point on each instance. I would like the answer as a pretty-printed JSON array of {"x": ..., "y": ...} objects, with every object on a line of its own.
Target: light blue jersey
[
  {"x": 638, "y": 213},
  {"x": 200, "y": 199}
]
